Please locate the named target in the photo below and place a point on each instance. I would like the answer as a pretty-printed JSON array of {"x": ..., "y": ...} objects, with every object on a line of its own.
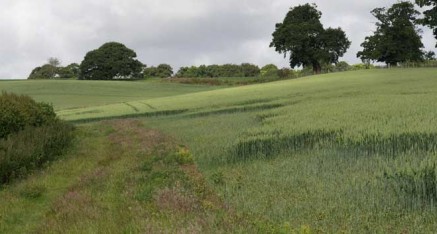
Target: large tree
[
  {"x": 301, "y": 36},
  {"x": 112, "y": 60},
  {"x": 430, "y": 14},
  {"x": 396, "y": 38}
]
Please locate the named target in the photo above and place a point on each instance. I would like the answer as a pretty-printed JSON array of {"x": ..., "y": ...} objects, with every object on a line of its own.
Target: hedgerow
[{"x": 30, "y": 136}]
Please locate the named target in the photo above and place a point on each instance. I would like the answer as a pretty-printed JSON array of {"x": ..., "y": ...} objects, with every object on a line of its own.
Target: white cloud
[{"x": 179, "y": 32}]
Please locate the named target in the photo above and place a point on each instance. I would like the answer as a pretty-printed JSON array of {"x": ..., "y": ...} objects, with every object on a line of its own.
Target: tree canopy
[
  {"x": 301, "y": 36},
  {"x": 162, "y": 71},
  {"x": 396, "y": 38},
  {"x": 49, "y": 71},
  {"x": 214, "y": 70},
  {"x": 430, "y": 15},
  {"x": 112, "y": 60}
]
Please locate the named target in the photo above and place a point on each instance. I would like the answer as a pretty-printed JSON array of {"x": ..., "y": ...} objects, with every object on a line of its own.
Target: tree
[
  {"x": 429, "y": 56},
  {"x": 46, "y": 71},
  {"x": 269, "y": 70},
  {"x": 68, "y": 72},
  {"x": 164, "y": 71},
  {"x": 112, "y": 60},
  {"x": 149, "y": 72},
  {"x": 396, "y": 38},
  {"x": 250, "y": 70},
  {"x": 285, "y": 73},
  {"x": 430, "y": 14},
  {"x": 301, "y": 36},
  {"x": 342, "y": 66},
  {"x": 53, "y": 61}
]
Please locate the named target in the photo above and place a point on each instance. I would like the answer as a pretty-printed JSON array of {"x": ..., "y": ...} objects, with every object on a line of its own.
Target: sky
[{"x": 177, "y": 32}]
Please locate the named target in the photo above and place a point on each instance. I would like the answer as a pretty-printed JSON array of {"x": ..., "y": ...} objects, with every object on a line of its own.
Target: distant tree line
[
  {"x": 300, "y": 36},
  {"x": 53, "y": 70},
  {"x": 161, "y": 71},
  {"x": 226, "y": 70}
]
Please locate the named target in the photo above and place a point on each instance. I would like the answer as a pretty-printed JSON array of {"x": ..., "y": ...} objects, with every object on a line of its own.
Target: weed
[{"x": 184, "y": 156}]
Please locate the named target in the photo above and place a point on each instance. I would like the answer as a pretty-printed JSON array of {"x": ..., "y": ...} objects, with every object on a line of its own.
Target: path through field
[{"x": 136, "y": 181}]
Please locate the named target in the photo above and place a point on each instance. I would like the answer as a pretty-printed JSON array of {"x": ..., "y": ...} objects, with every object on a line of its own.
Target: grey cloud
[{"x": 179, "y": 32}]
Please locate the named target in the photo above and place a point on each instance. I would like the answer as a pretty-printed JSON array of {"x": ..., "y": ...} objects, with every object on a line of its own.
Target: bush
[
  {"x": 285, "y": 73},
  {"x": 342, "y": 66},
  {"x": 269, "y": 70},
  {"x": 19, "y": 111},
  {"x": 31, "y": 148},
  {"x": 30, "y": 135}
]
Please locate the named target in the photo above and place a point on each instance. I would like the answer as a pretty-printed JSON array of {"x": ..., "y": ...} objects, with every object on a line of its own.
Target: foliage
[
  {"x": 396, "y": 38},
  {"x": 162, "y": 71},
  {"x": 285, "y": 73},
  {"x": 250, "y": 70},
  {"x": 342, "y": 66},
  {"x": 111, "y": 61},
  {"x": 31, "y": 148},
  {"x": 46, "y": 71},
  {"x": 269, "y": 70},
  {"x": 69, "y": 72},
  {"x": 30, "y": 135},
  {"x": 429, "y": 56},
  {"x": 49, "y": 71},
  {"x": 19, "y": 111},
  {"x": 303, "y": 38},
  {"x": 430, "y": 14},
  {"x": 213, "y": 71}
]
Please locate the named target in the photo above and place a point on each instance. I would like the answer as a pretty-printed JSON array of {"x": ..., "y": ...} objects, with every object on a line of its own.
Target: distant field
[
  {"x": 65, "y": 94},
  {"x": 352, "y": 152}
]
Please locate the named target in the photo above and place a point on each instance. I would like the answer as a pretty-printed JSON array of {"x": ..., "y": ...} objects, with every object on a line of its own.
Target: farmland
[{"x": 346, "y": 152}]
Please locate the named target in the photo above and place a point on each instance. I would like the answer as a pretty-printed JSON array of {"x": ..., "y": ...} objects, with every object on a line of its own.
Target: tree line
[{"x": 301, "y": 36}]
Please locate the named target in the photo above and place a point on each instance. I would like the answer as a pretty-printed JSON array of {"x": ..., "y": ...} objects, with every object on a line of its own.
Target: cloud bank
[{"x": 178, "y": 32}]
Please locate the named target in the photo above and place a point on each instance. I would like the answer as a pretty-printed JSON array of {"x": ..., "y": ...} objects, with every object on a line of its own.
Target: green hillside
[
  {"x": 352, "y": 152},
  {"x": 65, "y": 94}
]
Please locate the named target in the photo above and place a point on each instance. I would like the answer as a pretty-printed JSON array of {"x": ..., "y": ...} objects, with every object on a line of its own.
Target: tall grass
[
  {"x": 32, "y": 148},
  {"x": 270, "y": 144}
]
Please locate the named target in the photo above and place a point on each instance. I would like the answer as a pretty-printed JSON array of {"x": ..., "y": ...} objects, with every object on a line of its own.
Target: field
[
  {"x": 351, "y": 152},
  {"x": 65, "y": 94}
]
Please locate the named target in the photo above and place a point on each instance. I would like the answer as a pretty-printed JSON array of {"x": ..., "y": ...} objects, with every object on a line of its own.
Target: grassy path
[{"x": 120, "y": 178}]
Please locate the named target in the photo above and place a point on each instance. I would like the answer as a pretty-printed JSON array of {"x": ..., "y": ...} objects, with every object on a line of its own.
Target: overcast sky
[{"x": 178, "y": 32}]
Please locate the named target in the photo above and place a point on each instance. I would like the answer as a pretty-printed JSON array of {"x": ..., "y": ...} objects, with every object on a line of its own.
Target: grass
[
  {"x": 66, "y": 94},
  {"x": 121, "y": 178},
  {"x": 351, "y": 152}
]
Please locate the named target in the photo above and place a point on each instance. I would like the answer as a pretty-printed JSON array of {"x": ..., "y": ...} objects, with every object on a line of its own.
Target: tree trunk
[{"x": 317, "y": 68}]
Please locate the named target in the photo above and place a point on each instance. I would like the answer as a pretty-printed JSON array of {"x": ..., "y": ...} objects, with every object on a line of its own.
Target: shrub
[
  {"x": 31, "y": 148},
  {"x": 30, "y": 135},
  {"x": 342, "y": 66},
  {"x": 269, "y": 70},
  {"x": 183, "y": 155},
  {"x": 285, "y": 73},
  {"x": 19, "y": 111}
]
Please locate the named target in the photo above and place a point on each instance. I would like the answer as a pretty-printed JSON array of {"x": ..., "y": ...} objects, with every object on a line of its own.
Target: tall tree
[
  {"x": 301, "y": 36},
  {"x": 112, "y": 60},
  {"x": 53, "y": 61},
  {"x": 396, "y": 38},
  {"x": 430, "y": 14}
]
